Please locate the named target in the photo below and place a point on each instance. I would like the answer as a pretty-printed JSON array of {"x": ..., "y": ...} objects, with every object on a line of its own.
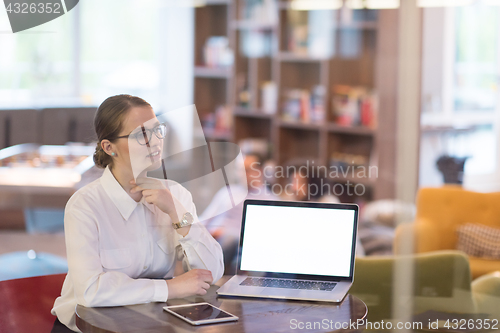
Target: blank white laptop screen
[{"x": 297, "y": 240}]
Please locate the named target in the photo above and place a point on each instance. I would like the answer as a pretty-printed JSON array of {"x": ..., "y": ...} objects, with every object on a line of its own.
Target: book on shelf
[
  {"x": 304, "y": 105},
  {"x": 256, "y": 44},
  {"x": 243, "y": 95},
  {"x": 269, "y": 97},
  {"x": 260, "y": 11},
  {"x": 218, "y": 122},
  {"x": 217, "y": 53},
  {"x": 354, "y": 106},
  {"x": 310, "y": 33}
]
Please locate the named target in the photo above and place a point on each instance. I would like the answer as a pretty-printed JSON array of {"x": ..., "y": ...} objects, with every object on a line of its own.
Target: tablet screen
[{"x": 200, "y": 312}]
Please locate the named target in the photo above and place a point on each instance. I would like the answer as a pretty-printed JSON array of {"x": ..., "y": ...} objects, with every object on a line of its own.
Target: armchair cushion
[
  {"x": 479, "y": 240},
  {"x": 440, "y": 212}
]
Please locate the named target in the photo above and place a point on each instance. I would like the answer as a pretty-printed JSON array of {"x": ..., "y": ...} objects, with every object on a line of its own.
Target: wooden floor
[{"x": 19, "y": 240}]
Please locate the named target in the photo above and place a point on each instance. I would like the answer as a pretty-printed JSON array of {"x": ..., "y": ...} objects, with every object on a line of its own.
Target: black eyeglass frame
[{"x": 146, "y": 133}]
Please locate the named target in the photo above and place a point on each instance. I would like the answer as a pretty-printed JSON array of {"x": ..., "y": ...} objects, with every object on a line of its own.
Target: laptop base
[{"x": 233, "y": 288}]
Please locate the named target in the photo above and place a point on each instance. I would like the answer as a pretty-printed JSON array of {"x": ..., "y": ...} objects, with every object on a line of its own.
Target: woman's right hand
[{"x": 193, "y": 282}]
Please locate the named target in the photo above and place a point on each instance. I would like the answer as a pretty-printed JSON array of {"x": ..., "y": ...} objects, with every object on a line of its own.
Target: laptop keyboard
[{"x": 290, "y": 284}]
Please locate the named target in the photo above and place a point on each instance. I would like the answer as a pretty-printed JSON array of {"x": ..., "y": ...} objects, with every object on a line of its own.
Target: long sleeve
[
  {"x": 121, "y": 251},
  {"x": 200, "y": 248},
  {"x": 92, "y": 285}
]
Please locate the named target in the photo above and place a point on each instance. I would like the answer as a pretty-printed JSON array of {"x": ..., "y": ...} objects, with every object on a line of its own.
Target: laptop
[{"x": 295, "y": 250}]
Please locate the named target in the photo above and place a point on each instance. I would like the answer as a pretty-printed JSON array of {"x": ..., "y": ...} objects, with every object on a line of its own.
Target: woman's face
[{"x": 132, "y": 155}]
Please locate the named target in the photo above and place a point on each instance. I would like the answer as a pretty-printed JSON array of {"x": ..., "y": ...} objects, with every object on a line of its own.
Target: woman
[{"x": 124, "y": 237}]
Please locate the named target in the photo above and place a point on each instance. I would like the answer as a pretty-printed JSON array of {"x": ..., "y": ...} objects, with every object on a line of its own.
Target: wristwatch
[{"x": 187, "y": 219}]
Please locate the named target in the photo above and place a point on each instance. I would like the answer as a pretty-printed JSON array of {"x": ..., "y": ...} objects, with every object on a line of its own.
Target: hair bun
[{"x": 101, "y": 159}]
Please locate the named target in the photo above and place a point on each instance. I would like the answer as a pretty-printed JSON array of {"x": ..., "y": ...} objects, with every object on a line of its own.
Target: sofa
[
  {"x": 49, "y": 126},
  {"x": 440, "y": 282},
  {"x": 440, "y": 212}
]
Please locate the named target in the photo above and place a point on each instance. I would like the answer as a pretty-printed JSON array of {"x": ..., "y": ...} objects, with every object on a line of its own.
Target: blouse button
[{"x": 145, "y": 267}]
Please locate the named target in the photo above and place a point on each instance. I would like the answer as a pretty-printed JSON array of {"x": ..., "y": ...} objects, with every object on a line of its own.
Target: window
[
  {"x": 122, "y": 55},
  {"x": 98, "y": 49},
  {"x": 460, "y": 93},
  {"x": 476, "y": 75},
  {"x": 36, "y": 66},
  {"x": 477, "y": 66}
]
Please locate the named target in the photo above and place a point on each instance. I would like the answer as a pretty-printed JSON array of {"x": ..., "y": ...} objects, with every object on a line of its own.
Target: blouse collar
[{"x": 119, "y": 196}]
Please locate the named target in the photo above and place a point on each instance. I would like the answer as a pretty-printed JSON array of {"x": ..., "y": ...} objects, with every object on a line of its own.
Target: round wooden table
[{"x": 255, "y": 315}]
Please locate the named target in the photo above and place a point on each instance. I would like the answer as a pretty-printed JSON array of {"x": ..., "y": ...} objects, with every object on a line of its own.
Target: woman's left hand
[{"x": 156, "y": 193}]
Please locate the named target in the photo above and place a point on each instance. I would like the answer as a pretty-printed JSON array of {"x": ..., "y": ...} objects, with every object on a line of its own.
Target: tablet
[{"x": 200, "y": 313}]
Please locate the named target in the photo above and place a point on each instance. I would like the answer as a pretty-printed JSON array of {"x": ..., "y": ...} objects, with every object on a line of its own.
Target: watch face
[{"x": 188, "y": 219}]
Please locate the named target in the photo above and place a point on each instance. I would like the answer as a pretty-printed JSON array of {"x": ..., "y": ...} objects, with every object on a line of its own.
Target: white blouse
[{"x": 120, "y": 251}]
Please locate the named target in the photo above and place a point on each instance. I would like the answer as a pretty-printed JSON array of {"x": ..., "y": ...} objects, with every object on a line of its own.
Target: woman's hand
[
  {"x": 156, "y": 193},
  {"x": 193, "y": 282}
]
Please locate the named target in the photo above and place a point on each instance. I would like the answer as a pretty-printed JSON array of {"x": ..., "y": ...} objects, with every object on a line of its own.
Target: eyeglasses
[{"x": 143, "y": 137}]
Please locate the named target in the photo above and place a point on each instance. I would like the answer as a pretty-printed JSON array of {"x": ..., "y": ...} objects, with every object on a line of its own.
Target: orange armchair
[{"x": 440, "y": 211}]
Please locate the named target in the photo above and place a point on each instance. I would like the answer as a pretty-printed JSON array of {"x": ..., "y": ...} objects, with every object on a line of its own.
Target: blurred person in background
[
  {"x": 308, "y": 184},
  {"x": 304, "y": 184},
  {"x": 226, "y": 227}
]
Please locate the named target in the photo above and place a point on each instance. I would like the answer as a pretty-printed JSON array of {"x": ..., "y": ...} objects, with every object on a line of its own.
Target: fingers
[
  {"x": 208, "y": 277},
  {"x": 148, "y": 193},
  {"x": 136, "y": 189},
  {"x": 204, "y": 275},
  {"x": 193, "y": 282},
  {"x": 150, "y": 183},
  {"x": 204, "y": 289},
  {"x": 145, "y": 192}
]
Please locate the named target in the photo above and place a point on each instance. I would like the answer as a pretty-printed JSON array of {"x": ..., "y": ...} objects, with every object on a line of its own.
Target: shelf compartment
[
  {"x": 213, "y": 135},
  {"x": 214, "y": 2},
  {"x": 251, "y": 25},
  {"x": 298, "y": 57},
  {"x": 299, "y": 125},
  {"x": 358, "y": 68},
  {"x": 251, "y": 113},
  {"x": 208, "y": 95},
  {"x": 366, "y": 25},
  {"x": 252, "y": 128},
  {"x": 298, "y": 144},
  {"x": 350, "y": 144},
  {"x": 210, "y": 21},
  {"x": 212, "y": 72},
  {"x": 300, "y": 75},
  {"x": 355, "y": 166},
  {"x": 354, "y": 130}
]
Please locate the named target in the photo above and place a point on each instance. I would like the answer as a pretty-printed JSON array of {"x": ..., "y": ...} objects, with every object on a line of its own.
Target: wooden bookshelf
[
  {"x": 293, "y": 57},
  {"x": 212, "y": 72},
  {"x": 372, "y": 64},
  {"x": 250, "y": 25},
  {"x": 251, "y": 113},
  {"x": 359, "y": 130}
]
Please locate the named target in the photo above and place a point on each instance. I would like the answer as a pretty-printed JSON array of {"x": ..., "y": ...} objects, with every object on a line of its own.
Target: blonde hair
[{"x": 108, "y": 122}]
